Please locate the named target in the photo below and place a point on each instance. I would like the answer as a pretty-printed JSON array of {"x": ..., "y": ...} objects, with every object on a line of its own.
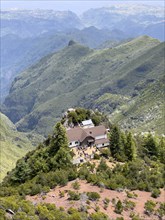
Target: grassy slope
[
  {"x": 145, "y": 112},
  {"x": 80, "y": 76},
  {"x": 14, "y": 145}
]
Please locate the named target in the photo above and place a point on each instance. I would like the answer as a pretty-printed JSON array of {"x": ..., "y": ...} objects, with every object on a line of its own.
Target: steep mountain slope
[
  {"x": 19, "y": 53},
  {"x": 28, "y": 35},
  {"x": 77, "y": 76},
  {"x": 14, "y": 145},
  {"x": 145, "y": 112}
]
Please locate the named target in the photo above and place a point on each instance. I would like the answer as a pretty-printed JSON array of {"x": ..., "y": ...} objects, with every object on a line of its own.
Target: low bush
[
  {"x": 93, "y": 196},
  {"x": 73, "y": 195}
]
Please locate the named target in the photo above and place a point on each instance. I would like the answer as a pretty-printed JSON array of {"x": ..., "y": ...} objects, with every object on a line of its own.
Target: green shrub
[
  {"x": 76, "y": 185},
  {"x": 62, "y": 209},
  {"x": 155, "y": 193},
  {"x": 36, "y": 188},
  {"x": 149, "y": 207},
  {"x": 106, "y": 201},
  {"x": 96, "y": 156},
  {"x": 72, "y": 210},
  {"x": 119, "y": 218},
  {"x": 97, "y": 208},
  {"x": 131, "y": 195},
  {"x": 105, "y": 206},
  {"x": 98, "y": 216},
  {"x": 119, "y": 207},
  {"x": 61, "y": 194},
  {"x": 129, "y": 205},
  {"x": 83, "y": 172},
  {"x": 93, "y": 196},
  {"x": 73, "y": 195},
  {"x": 105, "y": 153},
  {"x": 161, "y": 210}
]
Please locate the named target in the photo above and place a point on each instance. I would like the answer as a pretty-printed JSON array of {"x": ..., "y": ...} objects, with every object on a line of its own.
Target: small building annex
[{"x": 91, "y": 136}]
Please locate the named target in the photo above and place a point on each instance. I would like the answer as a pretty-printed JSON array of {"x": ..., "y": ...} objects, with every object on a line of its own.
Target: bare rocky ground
[{"x": 54, "y": 197}]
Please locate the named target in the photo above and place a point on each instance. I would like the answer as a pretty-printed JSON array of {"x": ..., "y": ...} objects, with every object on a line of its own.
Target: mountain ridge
[{"x": 76, "y": 76}]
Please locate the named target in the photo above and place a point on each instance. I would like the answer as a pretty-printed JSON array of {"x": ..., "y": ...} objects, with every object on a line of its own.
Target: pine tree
[
  {"x": 116, "y": 145},
  {"x": 162, "y": 150},
  {"x": 130, "y": 149},
  {"x": 150, "y": 146},
  {"x": 59, "y": 139},
  {"x": 59, "y": 147}
]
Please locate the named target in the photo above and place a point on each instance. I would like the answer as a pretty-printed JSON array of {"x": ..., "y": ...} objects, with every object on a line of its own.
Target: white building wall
[
  {"x": 74, "y": 143},
  {"x": 101, "y": 145}
]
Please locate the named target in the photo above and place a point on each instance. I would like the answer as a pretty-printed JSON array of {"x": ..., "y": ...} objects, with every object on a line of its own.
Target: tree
[
  {"x": 73, "y": 117},
  {"x": 162, "y": 150},
  {"x": 59, "y": 148},
  {"x": 22, "y": 172},
  {"x": 150, "y": 146},
  {"x": 130, "y": 149},
  {"x": 59, "y": 139},
  {"x": 116, "y": 145}
]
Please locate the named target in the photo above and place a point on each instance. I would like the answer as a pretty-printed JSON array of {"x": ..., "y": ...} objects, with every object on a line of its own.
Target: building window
[
  {"x": 76, "y": 142},
  {"x": 70, "y": 143},
  {"x": 102, "y": 144}
]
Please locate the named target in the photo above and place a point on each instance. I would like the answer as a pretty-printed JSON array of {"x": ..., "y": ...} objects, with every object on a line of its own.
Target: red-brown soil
[{"x": 142, "y": 197}]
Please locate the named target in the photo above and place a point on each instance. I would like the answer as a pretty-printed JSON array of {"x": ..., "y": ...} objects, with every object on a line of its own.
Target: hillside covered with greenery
[
  {"x": 14, "y": 145},
  {"x": 51, "y": 165},
  {"x": 19, "y": 53},
  {"x": 145, "y": 112},
  {"x": 78, "y": 76}
]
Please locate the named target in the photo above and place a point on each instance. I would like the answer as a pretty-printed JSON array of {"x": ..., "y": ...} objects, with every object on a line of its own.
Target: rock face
[
  {"x": 71, "y": 42},
  {"x": 79, "y": 76}
]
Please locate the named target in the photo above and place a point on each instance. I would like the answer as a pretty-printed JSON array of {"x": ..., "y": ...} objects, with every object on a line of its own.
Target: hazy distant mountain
[
  {"x": 156, "y": 30},
  {"x": 131, "y": 19},
  {"x": 79, "y": 76},
  {"x": 30, "y": 23}
]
